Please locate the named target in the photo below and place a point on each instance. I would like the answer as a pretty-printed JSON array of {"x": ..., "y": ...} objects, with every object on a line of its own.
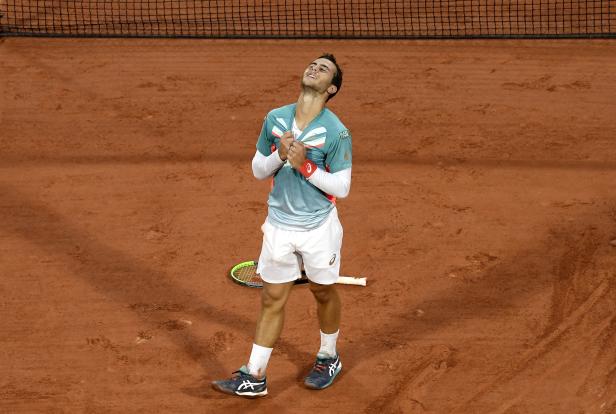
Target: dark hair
[{"x": 337, "y": 79}]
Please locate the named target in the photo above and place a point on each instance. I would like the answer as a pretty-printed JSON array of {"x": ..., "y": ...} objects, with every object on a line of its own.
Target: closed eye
[{"x": 321, "y": 68}]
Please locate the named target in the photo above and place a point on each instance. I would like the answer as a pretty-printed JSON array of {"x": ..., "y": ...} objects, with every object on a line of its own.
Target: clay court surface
[{"x": 482, "y": 208}]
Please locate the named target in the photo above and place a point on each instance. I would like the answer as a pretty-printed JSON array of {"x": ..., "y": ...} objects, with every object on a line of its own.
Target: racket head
[{"x": 245, "y": 274}]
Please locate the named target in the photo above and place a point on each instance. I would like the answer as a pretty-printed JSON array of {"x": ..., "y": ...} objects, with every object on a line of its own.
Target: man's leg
[
  {"x": 269, "y": 325},
  {"x": 327, "y": 365},
  {"x": 271, "y": 318},
  {"x": 328, "y": 307},
  {"x": 250, "y": 381}
]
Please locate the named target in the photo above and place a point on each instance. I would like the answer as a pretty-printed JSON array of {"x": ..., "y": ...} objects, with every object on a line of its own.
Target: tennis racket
[{"x": 245, "y": 274}]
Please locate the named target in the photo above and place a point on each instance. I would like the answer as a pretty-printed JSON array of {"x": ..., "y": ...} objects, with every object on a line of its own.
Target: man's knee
[
  {"x": 274, "y": 296},
  {"x": 323, "y": 293}
]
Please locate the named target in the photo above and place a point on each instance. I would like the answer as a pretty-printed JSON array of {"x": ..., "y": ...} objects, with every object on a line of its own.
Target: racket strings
[{"x": 248, "y": 274}]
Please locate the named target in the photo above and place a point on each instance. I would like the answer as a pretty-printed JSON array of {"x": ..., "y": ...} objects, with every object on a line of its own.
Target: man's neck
[{"x": 309, "y": 106}]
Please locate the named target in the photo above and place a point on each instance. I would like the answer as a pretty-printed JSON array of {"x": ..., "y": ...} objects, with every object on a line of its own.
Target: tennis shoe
[
  {"x": 242, "y": 384},
  {"x": 323, "y": 372}
]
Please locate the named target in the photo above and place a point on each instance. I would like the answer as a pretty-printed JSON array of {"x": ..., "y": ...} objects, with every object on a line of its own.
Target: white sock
[
  {"x": 328, "y": 344},
  {"x": 259, "y": 357}
]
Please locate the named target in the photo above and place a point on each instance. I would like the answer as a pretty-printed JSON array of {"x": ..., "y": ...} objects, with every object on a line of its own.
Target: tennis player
[{"x": 308, "y": 152}]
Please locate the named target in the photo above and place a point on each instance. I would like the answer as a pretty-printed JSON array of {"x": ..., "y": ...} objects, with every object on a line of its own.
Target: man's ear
[{"x": 332, "y": 89}]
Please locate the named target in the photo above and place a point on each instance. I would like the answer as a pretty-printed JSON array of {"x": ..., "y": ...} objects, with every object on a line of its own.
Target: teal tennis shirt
[{"x": 294, "y": 203}]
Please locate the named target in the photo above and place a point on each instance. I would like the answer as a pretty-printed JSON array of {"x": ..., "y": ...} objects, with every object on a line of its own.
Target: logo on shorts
[{"x": 332, "y": 260}]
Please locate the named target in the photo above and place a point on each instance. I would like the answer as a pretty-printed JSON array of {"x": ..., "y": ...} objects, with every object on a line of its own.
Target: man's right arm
[{"x": 264, "y": 167}]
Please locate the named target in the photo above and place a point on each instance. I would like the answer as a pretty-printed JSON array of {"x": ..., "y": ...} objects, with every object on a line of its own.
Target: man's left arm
[{"x": 337, "y": 184}]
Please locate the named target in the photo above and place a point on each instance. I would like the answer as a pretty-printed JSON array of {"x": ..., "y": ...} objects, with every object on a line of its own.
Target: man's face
[{"x": 318, "y": 76}]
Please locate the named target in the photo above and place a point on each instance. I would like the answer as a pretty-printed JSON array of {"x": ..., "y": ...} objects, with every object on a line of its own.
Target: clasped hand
[{"x": 292, "y": 150}]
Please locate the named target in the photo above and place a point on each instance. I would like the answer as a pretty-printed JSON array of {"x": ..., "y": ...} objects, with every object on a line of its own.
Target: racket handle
[{"x": 347, "y": 280}]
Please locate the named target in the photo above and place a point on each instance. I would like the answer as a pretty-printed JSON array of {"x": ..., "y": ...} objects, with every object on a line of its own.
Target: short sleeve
[
  {"x": 340, "y": 152},
  {"x": 264, "y": 143}
]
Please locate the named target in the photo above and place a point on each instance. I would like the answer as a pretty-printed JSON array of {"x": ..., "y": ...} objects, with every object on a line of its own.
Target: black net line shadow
[{"x": 205, "y": 158}]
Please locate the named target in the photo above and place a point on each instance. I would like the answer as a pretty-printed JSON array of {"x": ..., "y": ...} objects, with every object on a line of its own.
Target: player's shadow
[{"x": 127, "y": 281}]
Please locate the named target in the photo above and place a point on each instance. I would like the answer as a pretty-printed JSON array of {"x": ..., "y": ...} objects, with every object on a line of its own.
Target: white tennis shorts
[{"x": 284, "y": 252}]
